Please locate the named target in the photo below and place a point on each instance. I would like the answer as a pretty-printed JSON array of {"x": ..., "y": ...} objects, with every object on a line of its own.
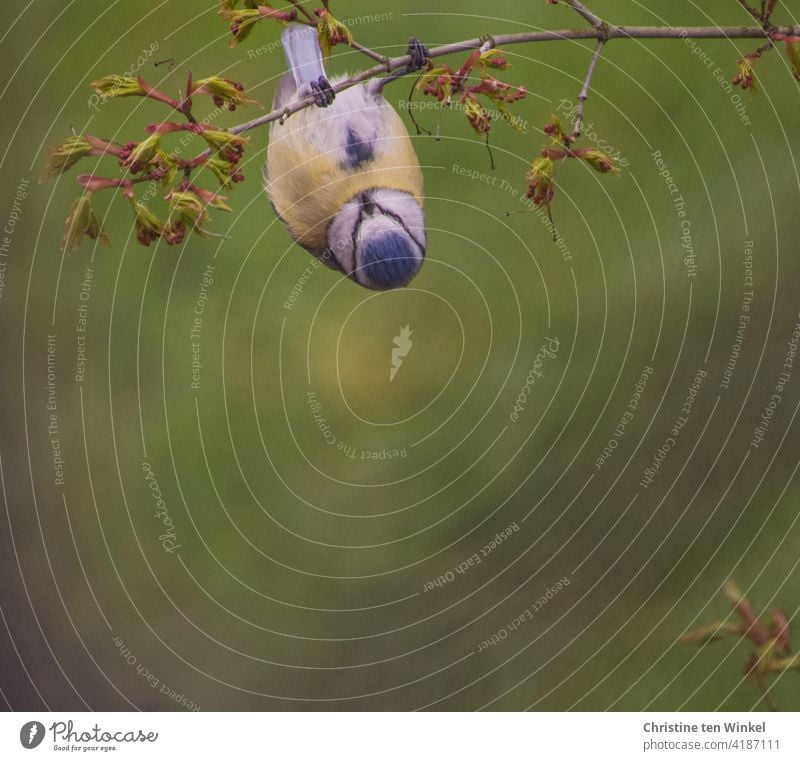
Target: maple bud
[
  {"x": 541, "y": 188},
  {"x": 746, "y": 76},
  {"x": 174, "y": 233},
  {"x": 602, "y": 162},
  {"x": 438, "y": 82},
  {"x": 554, "y": 130},
  {"x": 147, "y": 225}
]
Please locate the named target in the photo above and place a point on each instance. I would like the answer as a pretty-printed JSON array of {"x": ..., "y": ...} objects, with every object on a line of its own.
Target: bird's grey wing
[{"x": 285, "y": 93}]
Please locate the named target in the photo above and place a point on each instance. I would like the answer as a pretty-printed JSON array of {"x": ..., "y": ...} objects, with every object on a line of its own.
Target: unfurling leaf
[
  {"x": 555, "y": 130},
  {"x": 82, "y": 221},
  {"x": 438, "y": 82},
  {"x": 331, "y": 32},
  {"x": 501, "y": 95},
  {"x": 493, "y": 59},
  {"x": 144, "y": 153},
  {"x": 226, "y": 172},
  {"x": 164, "y": 168},
  {"x": 66, "y": 154},
  {"x": 241, "y": 23},
  {"x": 230, "y": 147},
  {"x": 477, "y": 116},
  {"x": 147, "y": 225},
  {"x": 188, "y": 210},
  {"x": 117, "y": 86},
  {"x": 602, "y": 162},
  {"x": 225, "y": 92},
  {"x": 746, "y": 76},
  {"x": 210, "y": 198},
  {"x": 793, "y": 53},
  {"x": 541, "y": 188},
  {"x": 711, "y": 633}
]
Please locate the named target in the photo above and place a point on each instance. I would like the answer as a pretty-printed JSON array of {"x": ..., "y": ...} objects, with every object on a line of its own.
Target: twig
[
  {"x": 584, "y": 95},
  {"x": 592, "y": 18},
  {"x": 763, "y": 688},
  {"x": 603, "y": 34},
  {"x": 369, "y": 52},
  {"x": 503, "y": 40},
  {"x": 765, "y": 47},
  {"x": 300, "y": 7},
  {"x": 749, "y": 8}
]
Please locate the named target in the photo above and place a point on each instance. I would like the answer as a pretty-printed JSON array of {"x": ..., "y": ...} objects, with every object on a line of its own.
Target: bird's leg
[
  {"x": 322, "y": 92},
  {"x": 419, "y": 55},
  {"x": 419, "y": 60},
  {"x": 303, "y": 54}
]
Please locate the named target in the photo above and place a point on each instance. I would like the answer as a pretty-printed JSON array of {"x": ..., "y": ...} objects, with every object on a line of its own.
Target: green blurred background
[{"x": 302, "y": 575}]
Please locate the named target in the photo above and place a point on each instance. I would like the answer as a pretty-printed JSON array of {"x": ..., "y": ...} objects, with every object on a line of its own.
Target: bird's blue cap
[{"x": 390, "y": 260}]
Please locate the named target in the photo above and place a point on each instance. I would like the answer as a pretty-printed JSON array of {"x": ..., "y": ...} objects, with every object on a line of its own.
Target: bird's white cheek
[{"x": 341, "y": 234}]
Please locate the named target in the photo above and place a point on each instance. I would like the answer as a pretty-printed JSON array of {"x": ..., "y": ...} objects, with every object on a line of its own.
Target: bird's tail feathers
[{"x": 303, "y": 54}]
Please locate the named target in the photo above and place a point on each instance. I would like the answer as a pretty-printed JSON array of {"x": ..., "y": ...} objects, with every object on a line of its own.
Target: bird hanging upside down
[{"x": 344, "y": 178}]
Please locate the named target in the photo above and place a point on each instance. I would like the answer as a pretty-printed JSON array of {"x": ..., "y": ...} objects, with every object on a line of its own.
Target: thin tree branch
[
  {"x": 300, "y": 7},
  {"x": 592, "y": 18},
  {"x": 369, "y": 52},
  {"x": 503, "y": 40},
  {"x": 311, "y": 21},
  {"x": 765, "y": 47},
  {"x": 584, "y": 95},
  {"x": 601, "y": 34},
  {"x": 749, "y": 8}
]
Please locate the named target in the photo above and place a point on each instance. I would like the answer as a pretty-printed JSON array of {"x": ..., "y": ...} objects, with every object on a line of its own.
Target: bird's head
[{"x": 378, "y": 238}]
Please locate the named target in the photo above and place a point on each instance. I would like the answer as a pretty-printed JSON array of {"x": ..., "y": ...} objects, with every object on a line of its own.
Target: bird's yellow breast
[{"x": 309, "y": 176}]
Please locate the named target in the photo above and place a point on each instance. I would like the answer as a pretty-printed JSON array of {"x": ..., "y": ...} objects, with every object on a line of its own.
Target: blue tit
[{"x": 344, "y": 178}]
